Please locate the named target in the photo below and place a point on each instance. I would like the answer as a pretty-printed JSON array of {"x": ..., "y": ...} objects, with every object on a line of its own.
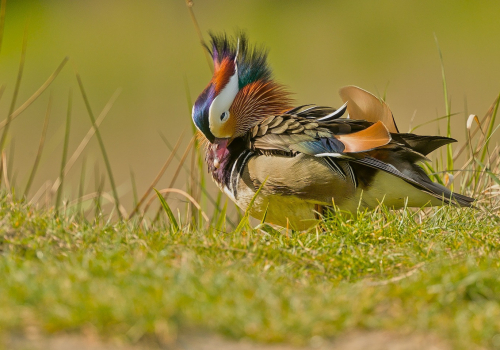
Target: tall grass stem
[
  {"x": 35, "y": 95},
  {"x": 65, "y": 150},
  {"x": 40, "y": 149},
  {"x": 16, "y": 89},
  {"x": 449, "y": 148},
  {"x": 157, "y": 178},
  {"x": 190, "y": 4},
  {"x": 101, "y": 145}
]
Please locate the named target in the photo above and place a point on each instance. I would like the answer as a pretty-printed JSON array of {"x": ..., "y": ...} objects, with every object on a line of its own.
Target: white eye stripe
[{"x": 221, "y": 105}]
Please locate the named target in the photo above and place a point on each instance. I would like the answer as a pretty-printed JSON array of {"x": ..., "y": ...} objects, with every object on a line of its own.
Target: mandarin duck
[{"x": 306, "y": 159}]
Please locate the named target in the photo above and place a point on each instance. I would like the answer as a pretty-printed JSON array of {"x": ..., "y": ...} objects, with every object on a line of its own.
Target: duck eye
[{"x": 224, "y": 116}]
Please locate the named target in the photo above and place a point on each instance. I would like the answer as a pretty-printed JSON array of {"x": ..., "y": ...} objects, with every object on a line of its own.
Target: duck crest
[{"x": 252, "y": 61}]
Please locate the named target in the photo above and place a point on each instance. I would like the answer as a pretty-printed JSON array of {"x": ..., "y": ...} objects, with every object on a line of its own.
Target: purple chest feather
[{"x": 231, "y": 166}]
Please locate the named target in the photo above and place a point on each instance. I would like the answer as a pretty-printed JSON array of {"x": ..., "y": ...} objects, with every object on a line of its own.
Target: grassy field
[{"x": 406, "y": 271}]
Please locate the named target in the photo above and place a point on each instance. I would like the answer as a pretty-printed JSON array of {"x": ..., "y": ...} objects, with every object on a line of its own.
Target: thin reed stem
[
  {"x": 76, "y": 154},
  {"x": 157, "y": 178},
  {"x": 81, "y": 187},
  {"x": 10, "y": 163},
  {"x": 190, "y": 4},
  {"x": 197, "y": 154},
  {"x": 65, "y": 150},
  {"x": 134, "y": 188},
  {"x": 491, "y": 127},
  {"x": 449, "y": 147},
  {"x": 16, "y": 89},
  {"x": 33, "y": 97},
  {"x": 99, "y": 185},
  {"x": 166, "y": 191},
  {"x": 40, "y": 149},
  {"x": 5, "y": 173},
  {"x": 174, "y": 178},
  {"x": 201, "y": 184},
  {"x": 101, "y": 145}
]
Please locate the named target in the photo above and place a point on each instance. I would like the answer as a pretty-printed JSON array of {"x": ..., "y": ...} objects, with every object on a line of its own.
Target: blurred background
[{"x": 150, "y": 50}]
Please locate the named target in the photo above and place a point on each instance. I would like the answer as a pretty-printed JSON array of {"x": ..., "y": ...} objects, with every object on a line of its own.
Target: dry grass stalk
[
  {"x": 40, "y": 149},
  {"x": 183, "y": 193},
  {"x": 157, "y": 178}
]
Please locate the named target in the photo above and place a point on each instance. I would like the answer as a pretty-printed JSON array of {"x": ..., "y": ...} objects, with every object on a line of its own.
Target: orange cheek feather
[{"x": 229, "y": 127}]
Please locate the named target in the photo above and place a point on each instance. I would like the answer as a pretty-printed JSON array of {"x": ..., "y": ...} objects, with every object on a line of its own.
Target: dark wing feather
[
  {"x": 422, "y": 144},
  {"x": 296, "y": 109}
]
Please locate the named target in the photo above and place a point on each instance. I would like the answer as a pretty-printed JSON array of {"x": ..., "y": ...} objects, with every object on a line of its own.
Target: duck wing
[{"x": 345, "y": 144}]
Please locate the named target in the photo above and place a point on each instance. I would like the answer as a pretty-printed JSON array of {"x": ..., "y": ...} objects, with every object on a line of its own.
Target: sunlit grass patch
[{"x": 436, "y": 273}]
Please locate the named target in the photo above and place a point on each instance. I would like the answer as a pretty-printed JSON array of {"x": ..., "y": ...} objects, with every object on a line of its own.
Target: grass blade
[
  {"x": 181, "y": 163},
  {"x": 221, "y": 222},
  {"x": 81, "y": 187},
  {"x": 433, "y": 173},
  {"x": 99, "y": 185},
  {"x": 134, "y": 188},
  {"x": 5, "y": 175},
  {"x": 449, "y": 149},
  {"x": 37, "y": 94},
  {"x": 216, "y": 213},
  {"x": 184, "y": 194},
  {"x": 202, "y": 185},
  {"x": 490, "y": 129},
  {"x": 157, "y": 178},
  {"x": 2, "y": 90},
  {"x": 101, "y": 145},
  {"x": 10, "y": 164},
  {"x": 190, "y": 4},
  {"x": 65, "y": 151},
  {"x": 196, "y": 140},
  {"x": 168, "y": 211},
  {"x": 478, "y": 128},
  {"x": 174, "y": 178},
  {"x": 76, "y": 154},
  {"x": 488, "y": 171},
  {"x": 244, "y": 219},
  {"x": 412, "y": 130},
  {"x": 265, "y": 215},
  {"x": 16, "y": 89},
  {"x": 40, "y": 148}
]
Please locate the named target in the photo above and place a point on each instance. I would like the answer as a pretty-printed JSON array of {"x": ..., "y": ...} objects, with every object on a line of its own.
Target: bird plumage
[{"x": 308, "y": 157}]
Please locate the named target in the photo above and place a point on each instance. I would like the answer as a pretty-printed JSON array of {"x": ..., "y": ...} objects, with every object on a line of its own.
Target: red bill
[{"x": 220, "y": 150}]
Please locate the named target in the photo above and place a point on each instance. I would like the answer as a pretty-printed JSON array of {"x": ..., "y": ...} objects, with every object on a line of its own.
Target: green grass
[{"x": 405, "y": 271}]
